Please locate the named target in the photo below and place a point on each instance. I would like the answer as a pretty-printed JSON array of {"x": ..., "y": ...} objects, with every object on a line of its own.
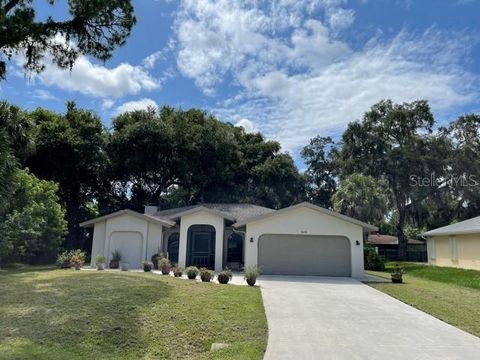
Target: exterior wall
[
  {"x": 202, "y": 218},
  {"x": 98, "y": 243},
  {"x": 307, "y": 222},
  {"x": 461, "y": 251},
  {"x": 150, "y": 233}
]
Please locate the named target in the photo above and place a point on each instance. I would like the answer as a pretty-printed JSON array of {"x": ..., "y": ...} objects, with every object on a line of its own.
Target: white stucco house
[{"x": 303, "y": 239}]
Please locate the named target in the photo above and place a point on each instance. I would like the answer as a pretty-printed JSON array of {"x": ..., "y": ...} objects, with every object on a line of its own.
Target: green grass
[
  {"x": 67, "y": 314},
  {"x": 450, "y": 294}
]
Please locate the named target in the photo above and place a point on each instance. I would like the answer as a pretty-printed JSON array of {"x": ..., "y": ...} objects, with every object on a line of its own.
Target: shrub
[
  {"x": 67, "y": 259},
  {"x": 147, "y": 266},
  {"x": 372, "y": 260},
  {"x": 155, "y": 258},
  {"x": 100, "y": 259},
  {"x": 224, "y": 276},
  {"x": 164, "y": 265},
  {"x": 77, "y": 261},
  {"x": 206, "y": 275},
  {"x": 250, "y": 274},
  {"x": 192, "y": 272},
  {"x": 177, "y": 271}
]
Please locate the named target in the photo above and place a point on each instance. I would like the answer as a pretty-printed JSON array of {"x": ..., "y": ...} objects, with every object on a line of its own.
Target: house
[
  {"x": 456, "y": 245},
  {"x": 387, "y": 247},
  {"x": 303, "y": 239}
]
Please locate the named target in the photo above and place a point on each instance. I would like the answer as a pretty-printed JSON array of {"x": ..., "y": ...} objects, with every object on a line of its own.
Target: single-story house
[
  {"x": 303, "y": 239},
  {"x": 387, "y": 247},
  {"x": 456, "y": 245}
]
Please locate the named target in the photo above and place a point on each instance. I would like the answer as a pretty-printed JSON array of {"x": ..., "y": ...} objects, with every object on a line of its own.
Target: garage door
[
  {"x": 304, "y": 255},
  {"x": 130, "y": 245}
]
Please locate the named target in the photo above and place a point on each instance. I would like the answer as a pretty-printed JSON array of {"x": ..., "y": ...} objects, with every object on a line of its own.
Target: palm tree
[{"x": 361, "y": 197}]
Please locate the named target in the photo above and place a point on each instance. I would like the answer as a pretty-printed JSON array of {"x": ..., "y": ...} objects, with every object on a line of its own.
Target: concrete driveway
[{"x": 341, "y": 318}]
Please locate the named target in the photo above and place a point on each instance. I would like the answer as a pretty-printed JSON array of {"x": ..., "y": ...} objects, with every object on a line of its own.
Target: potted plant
[
  {"x": 397, "y": 274},
  {"x": 250, "y": 274},
  {"x": 115, "y": 260},
  {"x": 164, "y": 265},
  {"x": 177, "y": 271},
  {"x": 124, "y": 266},
  {"x": 206, "y": 275},
  {"x": 147, "y": 266},
  {"x": 224, "y": 276},
  {"x": 100, "y": 262},
  {"x": 192, "y": 272}
]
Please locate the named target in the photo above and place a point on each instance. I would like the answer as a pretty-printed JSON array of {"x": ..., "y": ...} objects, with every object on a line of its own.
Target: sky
[{"x": 291, "y": 69}]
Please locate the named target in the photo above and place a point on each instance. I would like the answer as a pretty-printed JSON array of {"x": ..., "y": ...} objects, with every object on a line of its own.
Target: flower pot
[
  {"x": 397, "y": 278},
  {"x": 166, "y": 270},
  {"x": 100, "y": 266},
  {"x": 223, "y": 279},
  {"x": 251, "y": 281},
  {"x": 113, "y": 264},
  {"x": 124, "y": 266},
  {"x": 147, "y": 267}
]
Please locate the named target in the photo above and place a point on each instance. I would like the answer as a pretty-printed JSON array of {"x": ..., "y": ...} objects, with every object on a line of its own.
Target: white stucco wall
[
  {"x": 309, "y": 222},
  {"x": 150, "y": 234},
  {"x": 201, "y": 218}
]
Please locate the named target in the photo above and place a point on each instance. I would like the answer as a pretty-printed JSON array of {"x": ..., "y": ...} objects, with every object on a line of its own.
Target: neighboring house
[
  {"x": 303, "y": 239},
  {"x": 387, "y": 246},
  {"x": 456, "y": 245}
]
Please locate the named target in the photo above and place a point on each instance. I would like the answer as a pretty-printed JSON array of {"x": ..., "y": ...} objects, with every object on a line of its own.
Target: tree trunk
[{"x": 402, "y": 239}]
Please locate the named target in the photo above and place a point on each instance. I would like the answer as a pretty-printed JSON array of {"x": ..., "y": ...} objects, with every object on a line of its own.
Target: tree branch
[{"x": 10, "y": 5}]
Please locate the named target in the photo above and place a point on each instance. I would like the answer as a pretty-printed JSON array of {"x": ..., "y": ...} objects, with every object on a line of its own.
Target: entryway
[{"x": 201, "y": 246}]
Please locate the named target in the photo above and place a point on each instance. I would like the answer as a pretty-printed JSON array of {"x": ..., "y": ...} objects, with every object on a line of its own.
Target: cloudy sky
[{"x": 291, "y": 69}]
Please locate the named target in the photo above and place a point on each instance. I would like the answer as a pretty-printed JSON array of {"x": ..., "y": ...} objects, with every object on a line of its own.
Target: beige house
[
  {"x": 456, "y": 245},
  {"x": 303, "y": 239}
]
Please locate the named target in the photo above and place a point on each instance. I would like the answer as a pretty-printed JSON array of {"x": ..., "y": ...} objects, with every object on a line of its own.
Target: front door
[{"x": 201, "y": 254}]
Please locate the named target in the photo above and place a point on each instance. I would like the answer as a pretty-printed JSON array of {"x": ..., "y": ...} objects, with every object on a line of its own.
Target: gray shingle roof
[
  {"x": 240, "y": 212},
  {"x": 469, "y": 226}
]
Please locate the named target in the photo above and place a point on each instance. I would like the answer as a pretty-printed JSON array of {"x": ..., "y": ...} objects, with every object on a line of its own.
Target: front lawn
[
  {"x": 452, "y": 295},
  {"x": 67, "y": 314}
]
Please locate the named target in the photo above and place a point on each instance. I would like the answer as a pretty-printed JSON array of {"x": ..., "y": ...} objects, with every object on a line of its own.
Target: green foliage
[
  {"x": 362, "y": 197},
  {"x": 33, "y": 225},
  {"x": 67, "y": 258},
  {"x": 251, "y": 273},
  {"x": 319, "y": 156},
  {"x": 371, "y": 259},
  {"x": 192, "y": 272},
  {"x": 95, "y": 27},
  {"x": 100, "y": 259},
  {"x": 398, "y": 270},
  {"x": 164, "y": 265},
  {"x": 206, "y": 275},
  {"x": 116, "y": 255},
  {"x": 155, "y": 258}
]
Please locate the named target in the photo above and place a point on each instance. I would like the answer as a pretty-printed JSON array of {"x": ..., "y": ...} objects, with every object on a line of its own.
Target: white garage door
[
  {"x": 304, "y": 255},
  {"x": 130, "y": 245}
]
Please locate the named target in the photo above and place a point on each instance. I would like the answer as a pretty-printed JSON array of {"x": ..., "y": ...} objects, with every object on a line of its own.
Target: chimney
[{"x": 150, "y": 210}]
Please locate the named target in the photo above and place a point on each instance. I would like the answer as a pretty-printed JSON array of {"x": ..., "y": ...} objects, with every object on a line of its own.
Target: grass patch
[
  {"x": 450, "y": 294},
  {"x": 66, "y": 314}
]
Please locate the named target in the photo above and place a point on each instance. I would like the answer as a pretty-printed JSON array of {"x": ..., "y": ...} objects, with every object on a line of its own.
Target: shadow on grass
[{"x": 68, "y": 314}]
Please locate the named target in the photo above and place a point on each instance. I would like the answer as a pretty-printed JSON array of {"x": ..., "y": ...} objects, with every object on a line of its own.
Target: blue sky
[{"x": 289, "y": 68}]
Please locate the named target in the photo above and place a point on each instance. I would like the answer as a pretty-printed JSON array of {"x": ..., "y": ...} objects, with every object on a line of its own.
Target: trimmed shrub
[
  {"x": 177, "y": 271},
  {"x": 155, "y": 258},
  {"x": 372, "y": 260},
  {"x": 147, "y": 266},
  {"x": 67, "y": 259}
]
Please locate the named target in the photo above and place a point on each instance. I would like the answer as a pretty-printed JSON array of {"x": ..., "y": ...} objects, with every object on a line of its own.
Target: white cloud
[
  {"x": 150, "y": 61},
  {"x": 141, "y": 104},
  {"x": 42, "y": 94},
  {"x": 107, "y": 104},
  {"x": 296, "y": 78},
  {"x": 247, "y": 125}
]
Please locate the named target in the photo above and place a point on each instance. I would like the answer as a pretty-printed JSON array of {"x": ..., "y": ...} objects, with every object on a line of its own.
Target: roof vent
[{"x": 150, "y": 210}]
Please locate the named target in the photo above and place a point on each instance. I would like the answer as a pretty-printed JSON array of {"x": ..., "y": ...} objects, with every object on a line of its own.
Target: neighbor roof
[
  {"x": 365, "y": 226},
  {"x": 470, "y": 226},
  {"x": 232, "y": 212},
  {"x": 380, "y": 239},
  {"x": 164, "y": 222}
]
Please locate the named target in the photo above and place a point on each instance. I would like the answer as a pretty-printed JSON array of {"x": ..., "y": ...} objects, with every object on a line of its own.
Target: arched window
[{"x": 172, "y": 247}]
